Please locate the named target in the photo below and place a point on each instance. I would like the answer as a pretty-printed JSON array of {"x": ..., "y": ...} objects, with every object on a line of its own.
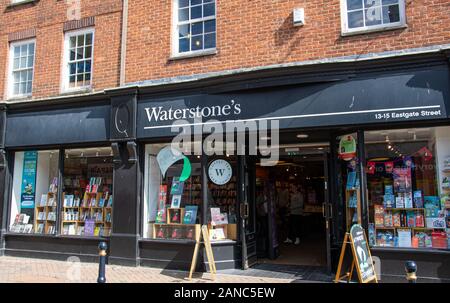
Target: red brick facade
[
  {"x": 48, "y": 18},
  {"x": 249, "y": 34}
]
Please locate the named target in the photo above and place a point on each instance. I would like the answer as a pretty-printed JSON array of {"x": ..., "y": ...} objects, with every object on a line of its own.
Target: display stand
[
  {"x": 209, "y": 253},
  {"x": 361, "y": 258}
]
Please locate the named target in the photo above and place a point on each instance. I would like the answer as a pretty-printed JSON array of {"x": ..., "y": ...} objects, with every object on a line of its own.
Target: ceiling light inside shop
[{"x": 302, "y": 136}]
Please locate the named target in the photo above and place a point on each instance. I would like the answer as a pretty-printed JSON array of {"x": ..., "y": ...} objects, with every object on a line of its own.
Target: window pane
[
  {"x": 34, "y": 194},
  {"x": 16, "y": 77},
  {"x": 184, "y": 45},
  {"x": 72, "y": 79},
  {"x": 371, "y": 3},
  {"x": 354, "y": 4},
  {"x": 79, "y": 53},
  {"x": 197, "y": 28},
  {"x": 72, "y": 55},
  {"x": 197, "y": 43},
  {"x": 72, "y": 68},
  {"x": 355, "y": 19},
  {"x": 30, "y": 75},
  {"x": 80, "y": 41},
  {"x": 73, "y": 42},
  {"x": 30, "y": 61},
  {"x": 31, "y": 49},
  {"x": 210, "y": 40},
  {"x": 404, "y": 173},
  {"x": 184, "y": 31},
  {"x": 88, "y": 66},
  {"x": 196, "y": 12},
  {"x": 183, "y": 14},
  {"x": 210, "y": 26},
  {"x": 195, "y": 2},
  {"x": 80, "y": 79},
  {"x": 169, "y": 190},
  {"x": 89, "y": 39},
  {"x": 22, "y": 88},
  {"x": 23, "y": 50},
  {"x": 16, "y": 51},
  {"x": 183, "y": 3},
  {"x": 16, "y": 63},
  {"x": 80, "y": 67},
  {"x": 23, "y": 62},
  {"x": 87, "y": 188},
  {"x": 23, "y": 76},
  {"x": 391, "y": 14},
  {"x": 88, "y": 52},
  {"x": 87, "y": 76},
  {"x": 209, "y": 10},
  {"x": 373, "y": 16},
  {"x": 29, "y": 87},
  {"x": 385, "y": 2}
]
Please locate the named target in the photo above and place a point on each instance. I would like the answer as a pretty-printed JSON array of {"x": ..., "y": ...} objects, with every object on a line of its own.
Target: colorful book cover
[
  {"x": 418, "y": 199},
  {"x": 161, "y": 216},
  {"x": 399, "y": 202},
  {"x": 177, "y": 187},
  {"x": 396, "y": 219},
  {"x": 351, "y": 180},
  {"x": 388, "y": 221},
  {"x": 379, "y": 216},
  {"x": 162, "y": 197},
  {"x": 176, "y": 201},
  {"x": 389, "y": 201},
  {"x": 411, "y": 219},
  {"x": 408, "y": 200},
  {"x": 190, "y": 214},
  {"x": 388, "y": 190},
  {"x": 175, "y": 216}
]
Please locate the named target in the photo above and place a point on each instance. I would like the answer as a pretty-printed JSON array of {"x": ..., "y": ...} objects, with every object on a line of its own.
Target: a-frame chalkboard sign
[{"x": 361, "y": 258}]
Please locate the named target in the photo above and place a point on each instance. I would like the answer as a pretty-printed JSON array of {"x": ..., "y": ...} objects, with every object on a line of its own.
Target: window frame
[
  {"x": 175, "y": 53},
  {"x": 10, "y": 86},
  {"x": 346, "y": 31},
  {"x": 65, "y": 81}
]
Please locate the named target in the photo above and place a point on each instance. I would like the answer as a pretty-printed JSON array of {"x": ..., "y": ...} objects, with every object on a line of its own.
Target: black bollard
[
  {"x": 102, "y": 264},
  {"x": 411, "y": 269}
]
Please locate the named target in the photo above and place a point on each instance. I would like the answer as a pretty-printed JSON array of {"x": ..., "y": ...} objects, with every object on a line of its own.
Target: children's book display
[
  {"x": 45, "y": 210},
  {"x": 407, "y": 217},
  {"x": 90, "y": 215},
  {"x": 172, "y": 220}
]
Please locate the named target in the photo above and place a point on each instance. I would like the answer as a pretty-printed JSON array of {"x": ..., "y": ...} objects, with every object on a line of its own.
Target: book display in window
[
  {"x": 46, "y": 209},
  {"x": 95, "y": 208},
  {"x": 353, "y": 200}
]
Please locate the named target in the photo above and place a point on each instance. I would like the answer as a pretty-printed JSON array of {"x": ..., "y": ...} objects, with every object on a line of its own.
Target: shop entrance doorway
[{"x": 291, "y": 202}]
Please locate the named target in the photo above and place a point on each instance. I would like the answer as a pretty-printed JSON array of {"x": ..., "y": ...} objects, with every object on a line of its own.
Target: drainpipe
[{"x": 123, "y": 42}]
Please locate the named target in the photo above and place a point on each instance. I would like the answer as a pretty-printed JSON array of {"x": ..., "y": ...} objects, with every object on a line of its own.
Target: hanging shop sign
[
  {"x": 347, "y": 148},
  {"x": 28, "y": 192},
  {"x": 220, "y": 172}
]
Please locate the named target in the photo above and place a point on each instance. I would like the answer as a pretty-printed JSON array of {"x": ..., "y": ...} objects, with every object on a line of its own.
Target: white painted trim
[
  {"x": 345, "y": 31},
  {"x": 10, "y": 82},
  {"x": 300, "y": 116},
  {"x": 65, "y": 60},
  {"x": 175, "y": 52}
]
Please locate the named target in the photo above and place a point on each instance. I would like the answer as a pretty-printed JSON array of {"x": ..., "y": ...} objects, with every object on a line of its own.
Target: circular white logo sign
[{"x": 220, "y": 172}]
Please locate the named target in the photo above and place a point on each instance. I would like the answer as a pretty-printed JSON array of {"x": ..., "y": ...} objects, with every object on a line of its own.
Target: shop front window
[
  {"x": 408, "y": 189},
  {"x": 222, "y": 198},
  {"x": 87, "y": 192},
  {"x": 35, "y": 192},
  {"x": 173, "y": 194}
]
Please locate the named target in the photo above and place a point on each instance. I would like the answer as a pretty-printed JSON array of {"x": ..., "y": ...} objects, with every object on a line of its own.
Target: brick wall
[
  {"x": 260, "y": 32},
  {"x": 48, "y": 17}
]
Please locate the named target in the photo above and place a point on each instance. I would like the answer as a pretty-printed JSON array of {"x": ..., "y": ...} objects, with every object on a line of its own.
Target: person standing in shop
[
  {"x": 282, "y": 206},
  {"x": 295, "y": 218}
]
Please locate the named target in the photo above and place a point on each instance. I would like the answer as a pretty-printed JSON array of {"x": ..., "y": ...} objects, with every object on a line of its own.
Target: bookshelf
[
  {"x": 45, "y": 214},
  {"x": 96, "y": 208},
  {"x": 353, "y": 207}
]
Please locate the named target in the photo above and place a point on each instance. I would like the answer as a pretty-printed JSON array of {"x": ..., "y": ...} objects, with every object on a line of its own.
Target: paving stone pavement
[{"x": 27, "y": 270}]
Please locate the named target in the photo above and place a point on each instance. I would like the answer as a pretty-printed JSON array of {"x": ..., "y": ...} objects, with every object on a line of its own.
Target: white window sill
[
  {"x": 201, "y": 53},
  {"x": 19, "y": 98},
  {"x": 372, "y": 30},
  {"x": 73, "y": 91}
]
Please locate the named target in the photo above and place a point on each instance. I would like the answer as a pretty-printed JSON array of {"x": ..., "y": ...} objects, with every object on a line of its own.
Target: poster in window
[{"x": 28, "y": 180}]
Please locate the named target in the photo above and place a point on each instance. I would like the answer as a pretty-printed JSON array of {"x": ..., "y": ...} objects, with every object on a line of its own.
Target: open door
[{"x": 247, "y": 211}]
